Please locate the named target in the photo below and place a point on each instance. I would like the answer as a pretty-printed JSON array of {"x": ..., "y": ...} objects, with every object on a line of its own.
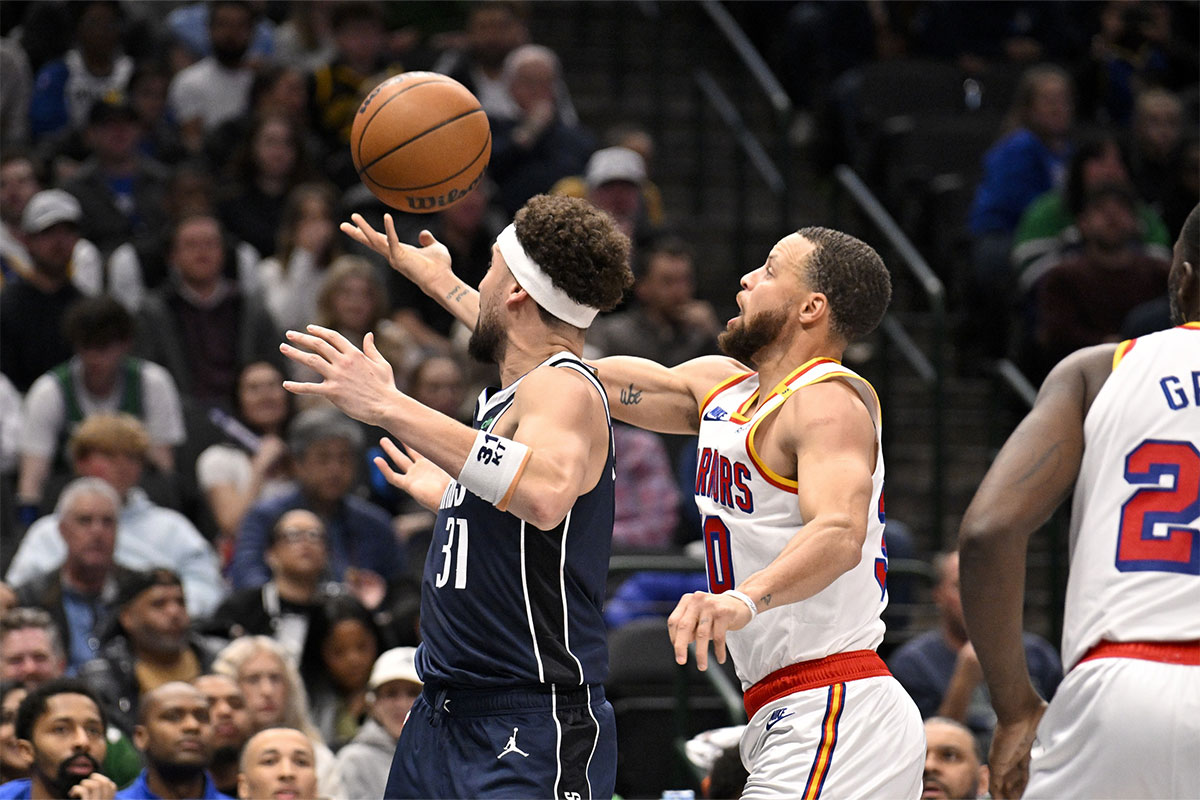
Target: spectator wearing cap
[
  {"x": 113, "y": 447},
  {"x": 18, "y": 184},
  {"x": 297, "y": 555},
  {"x": 327, "y": 448},
  {"x": 614, "y": 178},
  {"x": 150, "y": 644},
  {"x": 65, "y": 89},
  {"x": 121, "y": 191},
  {"x": 1084, "y": 299},
  {"x": 101, "y": 377},
  {"x": 32, "y": 309},
  {"x": 534, "y": 150},
  {"x": 363, "y": 764},
  {"x": 79, "y": 594}
]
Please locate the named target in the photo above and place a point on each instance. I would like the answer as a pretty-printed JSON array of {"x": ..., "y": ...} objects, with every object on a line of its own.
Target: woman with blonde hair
[{"x": 276, "y": 697}]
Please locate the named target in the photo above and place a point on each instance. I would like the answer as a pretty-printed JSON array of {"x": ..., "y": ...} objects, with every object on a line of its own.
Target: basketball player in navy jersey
[
  {"x": 513, "y": 654},
  {"x": 1120, "y": 424}
]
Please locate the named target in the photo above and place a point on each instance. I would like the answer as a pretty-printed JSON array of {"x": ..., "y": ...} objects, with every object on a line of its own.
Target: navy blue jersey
[{"x": 504, "y": 603}]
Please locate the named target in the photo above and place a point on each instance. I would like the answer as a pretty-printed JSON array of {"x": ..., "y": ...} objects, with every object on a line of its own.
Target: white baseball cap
[
  {"x": 50, "y": 207},
  {"x": 397, "y": 664},
  {"x": 614, "y": 164}
]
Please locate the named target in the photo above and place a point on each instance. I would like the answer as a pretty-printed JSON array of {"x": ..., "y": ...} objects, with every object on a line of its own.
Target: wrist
[{"x": 745, "y": 598}]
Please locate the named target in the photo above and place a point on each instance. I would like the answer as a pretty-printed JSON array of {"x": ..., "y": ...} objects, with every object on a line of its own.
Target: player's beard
[
  {"x": 63, "y": 781},
  {"x": 487, "y": 340},
  {"x": 746, "y": 338}
]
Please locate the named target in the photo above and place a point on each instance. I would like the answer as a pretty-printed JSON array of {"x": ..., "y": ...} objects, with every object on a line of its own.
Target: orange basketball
[{"x": 420, "y": 142}]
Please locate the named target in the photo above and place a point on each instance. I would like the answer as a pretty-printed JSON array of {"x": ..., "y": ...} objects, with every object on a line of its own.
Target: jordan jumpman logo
[{"x": 511, "y": 747}]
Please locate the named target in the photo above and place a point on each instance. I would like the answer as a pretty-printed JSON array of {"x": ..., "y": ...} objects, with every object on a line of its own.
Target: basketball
[{"x": 420, "y": 142}]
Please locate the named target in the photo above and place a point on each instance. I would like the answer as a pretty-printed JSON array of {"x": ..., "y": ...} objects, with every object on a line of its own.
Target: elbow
[
  {"x": 548, "y": 510},
  {"x": 847, "y": 551}
]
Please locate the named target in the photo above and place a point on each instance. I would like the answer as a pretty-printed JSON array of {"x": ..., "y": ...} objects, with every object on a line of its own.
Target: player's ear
[{"x": 812, "y": 307}]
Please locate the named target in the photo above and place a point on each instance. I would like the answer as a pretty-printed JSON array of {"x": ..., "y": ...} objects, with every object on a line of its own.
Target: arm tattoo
[
  {"x": 765, "y": 600},
  {"x": 629, "y": 397},
  {"x": 457, "y": 294}
]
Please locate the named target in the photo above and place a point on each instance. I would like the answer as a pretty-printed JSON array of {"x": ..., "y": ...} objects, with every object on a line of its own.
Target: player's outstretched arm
[
  {"x": 648, "y": 395},
  {"x": 833, "y": 440},
  {"x": 428, "y": 266},
  {"x": 1028, "y": 480}
]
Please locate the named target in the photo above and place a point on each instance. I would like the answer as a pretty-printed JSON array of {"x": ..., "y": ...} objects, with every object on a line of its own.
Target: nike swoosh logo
[{"x": 771, "y": 722}]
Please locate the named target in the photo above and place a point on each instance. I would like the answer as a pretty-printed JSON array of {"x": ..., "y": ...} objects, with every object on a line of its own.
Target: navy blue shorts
[{"x": 528, "y": 742}]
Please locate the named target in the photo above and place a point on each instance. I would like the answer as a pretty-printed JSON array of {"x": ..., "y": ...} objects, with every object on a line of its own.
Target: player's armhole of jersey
[{"x": 1122, "y": 350}]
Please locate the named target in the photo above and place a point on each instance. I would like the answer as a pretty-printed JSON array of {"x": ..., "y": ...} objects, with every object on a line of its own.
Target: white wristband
[
  {"x": 493, "y": 468},
  {"x": 745, "y": 598}
]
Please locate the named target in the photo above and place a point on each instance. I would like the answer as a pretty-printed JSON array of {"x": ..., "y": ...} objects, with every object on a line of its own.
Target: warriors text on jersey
[
  {"x": 1135, "y": 521},
  {"x": 751, "y": 513},
  {"x": 504, "y": 603}
]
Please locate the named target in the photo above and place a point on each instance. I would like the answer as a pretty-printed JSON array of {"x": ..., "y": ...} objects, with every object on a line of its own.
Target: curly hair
[
  {"x": 578, "y": 246},
  {"x": 852, "y": 276}
]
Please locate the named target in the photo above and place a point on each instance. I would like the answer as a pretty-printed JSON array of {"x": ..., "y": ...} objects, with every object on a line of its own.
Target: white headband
[{"x": 537, "y": 283}]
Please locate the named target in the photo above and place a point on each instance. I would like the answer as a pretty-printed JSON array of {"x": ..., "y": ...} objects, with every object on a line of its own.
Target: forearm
[
  {"x": 957, "y": 698},
  {"x": 455, "y": 296},
  {"x": 993, "y": 605},
  {"x": 32, "y": 477},
  {"x": 817, "y": 555}
]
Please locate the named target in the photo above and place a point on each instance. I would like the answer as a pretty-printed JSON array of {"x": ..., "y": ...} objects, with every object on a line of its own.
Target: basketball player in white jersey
[
  {"x": 790, "y": 486},
  {"x": 1120, "y": 422}
]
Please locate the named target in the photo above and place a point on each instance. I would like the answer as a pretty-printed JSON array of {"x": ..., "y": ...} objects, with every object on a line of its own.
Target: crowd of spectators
[{"x": 209, "y": 548}]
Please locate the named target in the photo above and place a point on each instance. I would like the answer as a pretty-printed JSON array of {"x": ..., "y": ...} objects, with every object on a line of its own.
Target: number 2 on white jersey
[{"x": 1174, "y": 506}]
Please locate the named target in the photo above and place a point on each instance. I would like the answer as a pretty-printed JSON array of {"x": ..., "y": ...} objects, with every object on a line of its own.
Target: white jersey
[
  {"x": 1135, "y": 520},
  {"x": 751, "y": 513}
]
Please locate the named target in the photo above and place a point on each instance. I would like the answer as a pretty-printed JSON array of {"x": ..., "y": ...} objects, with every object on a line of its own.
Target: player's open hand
[
  {"x": 702, "y": 617},
  {"x": 419, "y": 264},
  {"x": 359, "y": 382},
  {"x": 424, "y": 481},
  {"x": 93, "y": 787},
  {"x": 1008, "y": 761}
]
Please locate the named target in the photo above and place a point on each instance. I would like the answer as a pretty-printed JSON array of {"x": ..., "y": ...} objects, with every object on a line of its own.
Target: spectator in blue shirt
[
  {"x": 174, "y": 733},
  {"x": 326, "y": 448}
]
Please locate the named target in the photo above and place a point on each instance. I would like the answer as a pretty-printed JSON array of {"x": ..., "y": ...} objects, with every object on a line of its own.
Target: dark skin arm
[{"x": 1031, "y": 476}]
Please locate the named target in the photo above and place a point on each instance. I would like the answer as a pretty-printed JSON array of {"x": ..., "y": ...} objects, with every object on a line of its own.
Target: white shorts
[
  {"x": 1120, "y": 728},
  {"x": 858, "y": 739}
]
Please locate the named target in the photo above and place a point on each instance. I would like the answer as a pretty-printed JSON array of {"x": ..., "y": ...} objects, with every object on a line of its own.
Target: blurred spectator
[
  {"x": 614, "y": 178},
  {"x": 32, "y": 309},
  {"x": 352, "y": 300},
  {"x": 1084, "y": 298},
  {"x": 217, "y": 87},
  {"x": 339, "y": 651},
  {"x": 1184, "y": 189},
  {"x": 306, "y": 244},
  {"x": 230, "y": 728},
  {"x": 18, "y": 184},
  {"x": 272, "y": 160},
  {"x": 649, "y": 214},
  {"x": 668, "y": 323},
  {"x": 150, "y": 644},
  {"x": 102, "y": 377},
  {"x": 276, "y": 90},
  {"x": 304, "y": 40},
  {"x": 159, "y": 135},
  {"x": 363, "y": 764},
  {"x": 14, "y": 102},
  {"x": 494, "y": 30},
  {"x": 283, "y": 607},
  {"x": 61, "y": 725},
  {"x": 174, "y": 733},
  {"x": 532, "y": 151},
  {"x": 201, "y": 326},
  {"x": 279, "y": 762},
  {"x": 337, "y": 87},
  {"x": 275, "y": 696},
  {"x": 11, "y": 426},
  {"x": 14, "y": 761},
  {"x": 1029, "y": 160},
  {"x": 1048, "y": 230},
  {"x": 647, "y": 498},
  {"x": 954, "y": 767},
  {"x": 31, "y": 647},
  {"x": 113, "y": 447},
  {"x": 727, "y": 778},
  {"x": 31, "y": 654},
  {"x": 190, "y": 29},
  {"x": 327, "y": 448},
  {"x": 650, "y": 593},
  {"x": 978, "y": 35},
  {"x": 65, "y": 89},
  {"x": 120, "y": 190},
  {"x": 80, "y": 593},
  {"x": 1135, "y": 46},
  {"x": 252, "y": 463},
  {"x": 940, "y": 670}
]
